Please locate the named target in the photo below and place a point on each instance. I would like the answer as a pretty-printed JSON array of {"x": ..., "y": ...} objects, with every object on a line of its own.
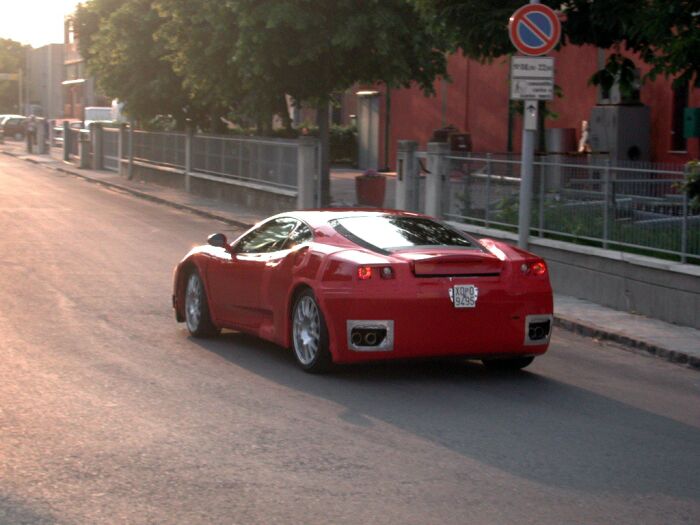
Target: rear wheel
[
  {"x": 510, "y": 363},
  {"x": 310, "y": 335},
  {"x": 197, "y": 315}
]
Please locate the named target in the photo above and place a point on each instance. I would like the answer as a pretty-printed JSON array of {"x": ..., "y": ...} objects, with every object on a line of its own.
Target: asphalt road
[{"x": 111, "y": 413}]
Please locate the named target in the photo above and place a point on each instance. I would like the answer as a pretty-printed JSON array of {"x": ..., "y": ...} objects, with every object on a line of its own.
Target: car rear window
[{"x": 391, "y": 232}]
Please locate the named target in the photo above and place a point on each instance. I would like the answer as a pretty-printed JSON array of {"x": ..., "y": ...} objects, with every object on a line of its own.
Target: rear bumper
[{"x": 428, "y": 325}]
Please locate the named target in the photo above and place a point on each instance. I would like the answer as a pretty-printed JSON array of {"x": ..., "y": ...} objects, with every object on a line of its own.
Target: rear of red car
[{"x": 478, "y": 299}]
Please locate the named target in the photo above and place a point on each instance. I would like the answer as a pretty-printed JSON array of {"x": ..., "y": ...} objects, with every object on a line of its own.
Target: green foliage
[
  {"x": 117, "y": 41},
  {"x": 11, "y": 57},
  {"x": 665, "y": 33},
  {"x": 247, "y": 54},
  {"x": 692, "y": 183}
]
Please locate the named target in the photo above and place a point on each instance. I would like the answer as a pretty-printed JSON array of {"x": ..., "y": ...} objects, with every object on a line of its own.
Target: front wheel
[
  {"x": 310, "y": 335},
  {"x": 511, "y": 363},
  {"x": 197, "y": 315}
]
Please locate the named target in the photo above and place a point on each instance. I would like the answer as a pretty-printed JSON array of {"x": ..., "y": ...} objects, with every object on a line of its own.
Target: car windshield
[{"x": 395, "y": 232}]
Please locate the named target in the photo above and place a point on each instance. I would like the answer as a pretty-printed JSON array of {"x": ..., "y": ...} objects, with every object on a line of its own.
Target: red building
[{"x": 476, "y": 101}]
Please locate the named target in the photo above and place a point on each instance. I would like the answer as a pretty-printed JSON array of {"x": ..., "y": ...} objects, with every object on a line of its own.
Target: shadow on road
[
  {"x": 17, "y": 511},
  {"x": 528, "y": 425}
]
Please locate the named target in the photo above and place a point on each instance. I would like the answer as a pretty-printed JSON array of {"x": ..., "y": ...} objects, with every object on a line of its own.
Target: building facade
[
  {"x": 476, "y": 101},
  {"x": 44, "y": 74},
  {"x": 79, "y": 89}
]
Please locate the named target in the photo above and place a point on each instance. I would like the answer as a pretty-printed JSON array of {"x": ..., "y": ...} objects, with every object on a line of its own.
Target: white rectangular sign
[{"x": 531, "y": 78}]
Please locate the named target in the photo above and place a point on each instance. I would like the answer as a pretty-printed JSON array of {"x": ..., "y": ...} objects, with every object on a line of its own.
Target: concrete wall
[
  {"x": 255, "y": 197},
  {"x": 644, "y": 285}
]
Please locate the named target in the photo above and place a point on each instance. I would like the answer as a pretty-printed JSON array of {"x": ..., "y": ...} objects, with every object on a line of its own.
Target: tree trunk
[{"x": 322, "y": 117}]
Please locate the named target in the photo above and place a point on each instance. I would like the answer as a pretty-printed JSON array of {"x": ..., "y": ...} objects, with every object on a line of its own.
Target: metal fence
[
  {"x": 110, "y": 149},
  {"x": 636, "y": 207},
  {"x": 273, "y": 162},
  {"x": 160, "y": 148}
]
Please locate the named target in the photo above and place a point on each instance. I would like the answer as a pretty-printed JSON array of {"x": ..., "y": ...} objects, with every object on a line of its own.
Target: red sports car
[{"x": 342, "y": 286}]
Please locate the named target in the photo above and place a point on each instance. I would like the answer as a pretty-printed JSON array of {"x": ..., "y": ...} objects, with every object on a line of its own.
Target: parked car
[
  {"x": 342, "y": 286},
  {"x": 13, "y": 126}
]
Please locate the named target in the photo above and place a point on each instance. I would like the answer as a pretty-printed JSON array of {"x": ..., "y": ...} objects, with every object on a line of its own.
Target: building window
[{"x": 680, "y": 102}]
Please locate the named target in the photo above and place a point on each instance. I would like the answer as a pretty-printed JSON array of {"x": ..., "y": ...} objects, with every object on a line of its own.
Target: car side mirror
[{"x": 219, "y": 240}]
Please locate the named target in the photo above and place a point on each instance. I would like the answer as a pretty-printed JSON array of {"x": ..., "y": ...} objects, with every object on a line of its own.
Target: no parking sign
[{"x": 534, "y": 29}]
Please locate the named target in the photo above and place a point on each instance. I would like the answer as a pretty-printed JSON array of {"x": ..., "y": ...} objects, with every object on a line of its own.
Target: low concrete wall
[
  {"x": 250, "y": 195},
  {"x": 644, "y": 285}
]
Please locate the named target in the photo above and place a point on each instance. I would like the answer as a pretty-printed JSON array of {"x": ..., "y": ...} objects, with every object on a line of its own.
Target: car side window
[
  {"x": 301, "y": 235},
  {"x": 270, "y": 237}
]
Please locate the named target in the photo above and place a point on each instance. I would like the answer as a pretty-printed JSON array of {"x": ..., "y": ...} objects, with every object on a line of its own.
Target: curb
[
  {"x": 571, "y": 325},
  {"x": 673, "y": 356}
]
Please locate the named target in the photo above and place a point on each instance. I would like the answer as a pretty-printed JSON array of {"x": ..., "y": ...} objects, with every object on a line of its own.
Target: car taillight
[
  {"x": 364, "y": 273},
  {"x": 538, "y": 268},
  {"x": 534, "y": 268}
]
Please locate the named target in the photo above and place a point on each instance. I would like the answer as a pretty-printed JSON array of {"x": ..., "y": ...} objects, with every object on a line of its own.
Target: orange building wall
[{"x": 476, "y": 101}]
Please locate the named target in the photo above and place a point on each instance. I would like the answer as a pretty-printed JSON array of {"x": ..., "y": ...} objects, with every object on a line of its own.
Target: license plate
[{"x": 464, "y": 295}]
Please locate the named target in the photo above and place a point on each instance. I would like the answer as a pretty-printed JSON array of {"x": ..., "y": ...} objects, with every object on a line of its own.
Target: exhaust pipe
[
  {"x": 370, "y": 335},
  {"x": 538, "y": 329},
  {"x": 537, "y": 332}
]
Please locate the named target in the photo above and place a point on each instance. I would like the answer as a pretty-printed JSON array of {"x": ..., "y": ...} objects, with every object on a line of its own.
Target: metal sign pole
[
  {"x": 527, "y": 168},
  {"x": 527, "y": 171}
]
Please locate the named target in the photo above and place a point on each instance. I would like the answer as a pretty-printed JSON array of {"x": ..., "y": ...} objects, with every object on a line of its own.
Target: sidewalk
[{"x": 674, "y": 343}]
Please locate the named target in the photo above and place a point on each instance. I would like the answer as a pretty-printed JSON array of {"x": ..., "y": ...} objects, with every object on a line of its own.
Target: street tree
[
  {"x": 116, "y": 38},
  {"x": 664, "y": 33},
  {"x": 11, "y": 60},
  {"x": 310, "y": 50}
]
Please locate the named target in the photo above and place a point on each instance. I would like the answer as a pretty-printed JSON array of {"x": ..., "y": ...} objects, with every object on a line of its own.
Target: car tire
[
  {"x": 510, "y": 363},
  {"x": 310, "y": 335},
  {"x": 197, "y": 316}
]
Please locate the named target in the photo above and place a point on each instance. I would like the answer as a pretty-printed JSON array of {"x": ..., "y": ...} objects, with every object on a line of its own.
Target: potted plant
[{"x": 370, "y": 188}]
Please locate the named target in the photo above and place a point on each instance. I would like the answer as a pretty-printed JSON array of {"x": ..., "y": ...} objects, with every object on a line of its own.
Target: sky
[{"x": 35, "y": 22}]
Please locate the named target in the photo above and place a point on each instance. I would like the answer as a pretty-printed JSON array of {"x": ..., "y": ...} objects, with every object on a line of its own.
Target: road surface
[{"x": 111, "y": 413}]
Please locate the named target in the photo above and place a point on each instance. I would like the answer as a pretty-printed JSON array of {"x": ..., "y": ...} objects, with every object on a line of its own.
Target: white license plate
[{"x": 464, "y": 295}]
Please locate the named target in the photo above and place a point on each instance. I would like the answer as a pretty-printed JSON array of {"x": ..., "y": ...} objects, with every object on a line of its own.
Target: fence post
[
  {"x": 684, "y": 223},
  {"x": 40, "y": 136},
  {"x": 84, "y": 149},
  {"x": 97, "y": 136},
  {"x": 407, "y": 176},
  {"x": 188, "y": 158},
  {"x": 543, "y": 182},
  {"x": 435, "y": 181},
  {"x": 488, "y": 190},
  {"x": 130, "y": 168},
  {"x": 66, "y": 141},
  {"x": 306, "y": 163},
  {"x": 606, "y": 203},
  {"x": 52, "y": 136},
  {"x": 121, "y": 143}
]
